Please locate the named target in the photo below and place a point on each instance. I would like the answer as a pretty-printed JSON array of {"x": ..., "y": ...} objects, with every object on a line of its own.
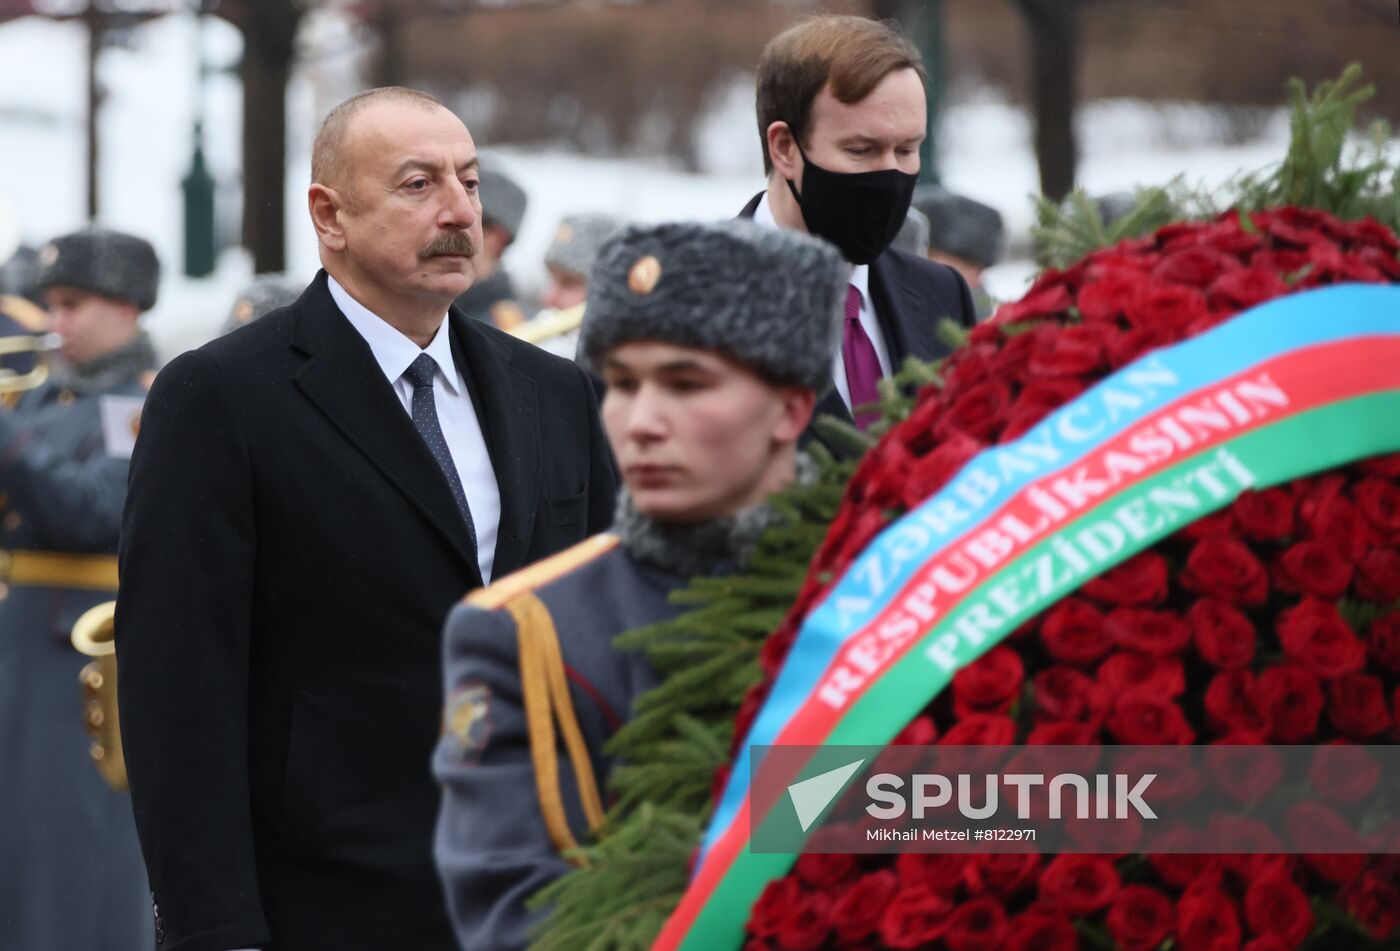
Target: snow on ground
[{"x": 147, "y": 125}]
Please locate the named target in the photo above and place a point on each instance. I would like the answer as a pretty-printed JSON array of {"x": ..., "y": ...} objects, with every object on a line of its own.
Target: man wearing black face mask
[{"x": 841, "y": 113}]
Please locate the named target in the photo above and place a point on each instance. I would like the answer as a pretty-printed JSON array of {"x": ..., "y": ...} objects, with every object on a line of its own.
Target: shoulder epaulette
[{"x": 498, "y": 593}]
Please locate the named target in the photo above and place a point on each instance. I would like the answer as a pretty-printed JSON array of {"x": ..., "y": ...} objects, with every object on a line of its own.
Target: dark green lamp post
[{"x": 198, "y": 184}]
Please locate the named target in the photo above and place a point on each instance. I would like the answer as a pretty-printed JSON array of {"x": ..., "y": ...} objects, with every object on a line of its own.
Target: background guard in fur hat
[
  {"x": 713, "y": 341},
  {"x": 71, "y": 874}
]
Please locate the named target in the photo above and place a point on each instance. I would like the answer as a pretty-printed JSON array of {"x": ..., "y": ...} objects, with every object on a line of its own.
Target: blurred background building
[{"x": 190, "y": 121}]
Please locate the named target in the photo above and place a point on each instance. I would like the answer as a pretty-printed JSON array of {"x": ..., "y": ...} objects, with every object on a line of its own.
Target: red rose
[
  {"x": 1042, "y": 395},
  {"x": 1125, "y": 347},
  {"x": 1164, "y": 307},
  {"x": 1079, "y": 885},
  {"x": 915, "y": 917},
  {"x": 1073, "y": 632},
  {"x": 1329, "y": 515},
  {"x": 981, "y": 729},
  {"x": 1207, "y": 921},
  {"x": 1386, "y": 466},
  {"x": 1141, "y": 581},
  {"x": 1356, "y": 705},
  {"x": 1274, "y": 905},
  {"x": 919, "y": 731},
  {"x": 967, "y": 367},
  {"x": 821, "y": 870},
  {"x": 1224, "y": 637},
  {"x": 1293, "y": 698},
  {"x": 809, "y": 924},
  {"x": 940, "y": 871},
  {"x": 1313, "y": 827},
  {"x": 778, "y": 902},
  {"x": 1250, "y": 848},
  {"x": 1241, "y": 290},
  {"x": 1266, "y": 943},
  {"x": 1174, "y": 856},
  {"x": 1002, "y": 874},
  {"x": 1233, "y": 705},
  {"x": 1159, "y": 676},
  {"x": 1243, "y": 772},
  {"x": 1383, "y": 641},
  {"x": 1198, "y": 266},
  {"x": 1378, "y": 576},
  {"x": 1159, "y": 633},
  {"x": 1015, "y": 354},
  {"x": 929, "y": 474},
  {"x": 1343, "y": 773},
  {"x": 857, "y": 913},
  {"x": 1314, "y": 634},
  {"x": 1141, "y": 918},
  {"x": 1141, "y": 719},
  {"x": 1064, "y": 694},
  {"x": 1219, "y": 524},
  {"x": 1061, "y": 734},
  {"x": 989, "y": 684},
  {"x": 1225, "y": 569},
  {"x": 1379, "y": 502},
  {"x": 1375, "y": 902},
  {"x": 1036, "y": 305},
  {"x": 1313, "y": 568},
  {"x": 976, "y": 925},
  {"x": 1069, "y": 351},
  {"x": 1264, "y": 515},
  {"x": 977, "y": 411},
  {"x": 1102, "y": 300},
  {"x": 1039, "y": 929}
]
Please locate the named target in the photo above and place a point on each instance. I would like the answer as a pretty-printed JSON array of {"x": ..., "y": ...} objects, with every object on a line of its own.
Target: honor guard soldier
[
  {"x": 263, "y": 294},
  {"x": 713, "y": 341},
  {"x": 568, "y": 260},
  {"x": 964, "y": 234},
  {"x": 491, "y": 298},
  {"x": 71, "y": 874}
]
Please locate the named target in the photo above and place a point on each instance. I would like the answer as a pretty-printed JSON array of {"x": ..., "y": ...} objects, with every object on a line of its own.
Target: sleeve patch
[{"x": 467, "y": 718}]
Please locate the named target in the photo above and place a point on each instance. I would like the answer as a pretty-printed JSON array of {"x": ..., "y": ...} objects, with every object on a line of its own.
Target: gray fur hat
[
  {"x": 576, "y": 242},
  {"x": 913, "y": 234},
  {"x": 502, "y": 200},
  {"x": 264, "y": 294},
  {"x": 110, "y": 263},
  {"x": 960, "y": 226},
  {"x": 769, "y": 299}
]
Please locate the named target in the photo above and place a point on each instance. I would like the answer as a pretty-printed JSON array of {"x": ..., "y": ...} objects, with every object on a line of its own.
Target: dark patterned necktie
[{"x": 425, "y": 418}]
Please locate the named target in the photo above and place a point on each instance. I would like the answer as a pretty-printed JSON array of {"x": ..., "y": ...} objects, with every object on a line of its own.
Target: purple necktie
[{"x": 862, "y": 366}]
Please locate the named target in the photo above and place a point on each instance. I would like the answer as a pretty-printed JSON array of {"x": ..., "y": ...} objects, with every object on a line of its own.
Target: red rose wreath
[{"x": 1276, "y": 620}]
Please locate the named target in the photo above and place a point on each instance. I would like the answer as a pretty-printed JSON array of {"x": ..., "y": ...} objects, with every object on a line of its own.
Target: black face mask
[{"x": 859, "y": 212}]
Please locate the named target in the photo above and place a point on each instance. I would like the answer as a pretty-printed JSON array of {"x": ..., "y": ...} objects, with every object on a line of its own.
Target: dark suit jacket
[
  {"x": 910, "y": 295},
  {"x": 289, "y": 550}
]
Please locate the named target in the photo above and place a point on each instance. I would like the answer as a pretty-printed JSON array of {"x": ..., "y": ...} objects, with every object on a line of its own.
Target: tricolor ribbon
[{"x": 1298, "y": 385}]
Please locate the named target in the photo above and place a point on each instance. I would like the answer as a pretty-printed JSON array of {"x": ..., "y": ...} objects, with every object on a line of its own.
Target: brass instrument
[
  {"x": 93, "y": 636},
  {"x": 41, "y": 344},
  {"x": 550, "y": 324}
]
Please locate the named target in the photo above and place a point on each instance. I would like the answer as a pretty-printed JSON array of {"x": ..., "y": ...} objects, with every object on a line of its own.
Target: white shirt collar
[
  {"x": 392, "y": 350},
  {"x": 860, "y": 273}
]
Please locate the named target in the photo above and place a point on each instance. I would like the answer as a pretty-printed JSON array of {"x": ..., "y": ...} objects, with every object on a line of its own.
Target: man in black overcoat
[{"x": 309, "y": 496}]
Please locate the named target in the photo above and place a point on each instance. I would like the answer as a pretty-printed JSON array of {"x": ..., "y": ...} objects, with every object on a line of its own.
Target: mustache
[{"x": 453, "y": 242}]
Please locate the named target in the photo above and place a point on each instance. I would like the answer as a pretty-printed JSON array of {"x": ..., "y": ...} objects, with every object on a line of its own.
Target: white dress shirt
[
  {"x": 394, "y": 352},
  {"x": 860, "y": 280}
]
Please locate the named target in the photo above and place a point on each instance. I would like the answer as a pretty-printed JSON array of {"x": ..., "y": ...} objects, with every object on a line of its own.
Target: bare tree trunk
[
  {"x": 97, "y": 28},
  {"x": 1053, "y": 26},
  {"x": 269, "y": 33}
]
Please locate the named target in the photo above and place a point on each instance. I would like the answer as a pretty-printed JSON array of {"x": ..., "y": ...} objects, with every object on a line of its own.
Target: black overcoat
[{"x": 289, "y": 550}]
